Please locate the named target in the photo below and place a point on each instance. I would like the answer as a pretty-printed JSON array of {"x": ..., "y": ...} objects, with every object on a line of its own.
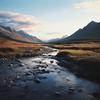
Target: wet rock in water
[
  {"x": 67, "y": 79},
  {"x": 57, "y": 93},
  {"x": 12, "y": 82},
  {"x": 18, "y": 60},
  {"x": 17, "y": 77},
  {"x": 34, "y": 74},
  {"x": 40, "y": 68},
  {"x": 37, "y": 80},
  {"x": 21, "y": 64},
  {"x": 27, "y": 73},
  {"x": 42, "y": 77},
  {"x": 51, "y": 62},
  {"x": 71, "y": 90},
  {"x": 11, "y": 65},
  {"x": 45, "y": 71},
  {"x": 46, "y": 65},
  {"x": 40, "y": 62}
]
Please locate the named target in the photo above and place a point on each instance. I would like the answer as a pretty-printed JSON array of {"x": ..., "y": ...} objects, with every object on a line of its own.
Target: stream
[{"x": 41, "y": 78}]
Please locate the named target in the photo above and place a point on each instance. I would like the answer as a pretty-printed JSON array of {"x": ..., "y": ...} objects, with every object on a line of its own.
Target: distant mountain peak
[
  {"x": 21, "y": 36},
  {"x": 91, "y": 32},
  {"x": 92, "y": 23}
]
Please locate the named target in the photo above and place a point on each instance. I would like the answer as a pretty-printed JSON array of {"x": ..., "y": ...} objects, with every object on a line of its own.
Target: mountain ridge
[
  {"x": 21, "y": 36},
  {"x": 91, "y": 32}
]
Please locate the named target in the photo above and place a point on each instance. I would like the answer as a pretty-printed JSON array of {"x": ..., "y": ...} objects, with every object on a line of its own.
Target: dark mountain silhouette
[
  {"x": 91, "y": 32},
  {"x": 21, "y": 36}
]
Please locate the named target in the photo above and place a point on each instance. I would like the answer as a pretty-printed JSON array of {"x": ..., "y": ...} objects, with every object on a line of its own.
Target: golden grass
[
  {"x": 80, "y": 51},
  {"x": 12, "y": 48},
  {"x": 88, "y": 45}
]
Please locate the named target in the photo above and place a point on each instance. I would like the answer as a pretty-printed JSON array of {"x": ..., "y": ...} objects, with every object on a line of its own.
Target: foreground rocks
[{"x": 41, "y": 78}]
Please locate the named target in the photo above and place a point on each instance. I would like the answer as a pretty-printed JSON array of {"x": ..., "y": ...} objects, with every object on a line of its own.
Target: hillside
[
  {"x": 91, "y": 32},
  {"x": 11, "y": 34}
]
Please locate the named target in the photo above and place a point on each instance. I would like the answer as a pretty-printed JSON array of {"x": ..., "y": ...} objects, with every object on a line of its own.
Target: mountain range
[
  {"x": 20, "y": 36},
  {"x": 91, "y": 32}
]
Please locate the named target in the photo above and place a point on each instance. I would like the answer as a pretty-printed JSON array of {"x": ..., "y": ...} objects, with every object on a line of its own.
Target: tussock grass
[{"x": 12, "y": 49}]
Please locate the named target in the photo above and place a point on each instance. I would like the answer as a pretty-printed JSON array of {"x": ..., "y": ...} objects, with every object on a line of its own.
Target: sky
[{"x": 48, "y": 19}]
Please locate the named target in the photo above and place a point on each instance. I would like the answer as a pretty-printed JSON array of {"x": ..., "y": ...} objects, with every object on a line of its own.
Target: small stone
[
  {"x": 28, "y": 73},
  {"x": 17, "y": 77},
  {"x": 37, "y": 80},
  {"x": 40, "y": 62},
  {"x": 67, "y": 79},
  {"x": 71, "y": 90},
  {"x": 45, "y": 71},
  {"x": 57, "y": 93},
  {"x": 21, "y": 64},
  {"x": 51, "y": 62}
]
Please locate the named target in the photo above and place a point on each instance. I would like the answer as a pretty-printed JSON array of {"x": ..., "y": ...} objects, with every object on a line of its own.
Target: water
[{"x": 40, "y": 78}]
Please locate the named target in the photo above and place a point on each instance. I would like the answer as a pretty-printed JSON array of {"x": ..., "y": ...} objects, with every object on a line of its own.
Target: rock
[
  {"x": 71, "y": 90},
  {"x": 27, "y": 73},
  {"x": 12, "y": 82},
  {"x": 17, "y": 77},
  {"x": 51, "y": 62},
  {"x": 40, "y": 62},
  {"x": 18, "y": 60},
  {"x": 42, "y": 77},
  {"x": 45, "y": 71},
  {"x": 57, "y": 93},
  {"x": 11, "y": 65},
  {"x": 21, "y": 64},
  {"x": 67, "y": 79},
  {"x": 37, "y": 80}
]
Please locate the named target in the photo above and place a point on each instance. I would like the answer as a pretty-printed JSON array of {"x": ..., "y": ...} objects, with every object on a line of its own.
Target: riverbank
[
  {"x": 41, "y": 78},
  {"x": 12, "y": 49},
  {"x": 83, "y": 62}
]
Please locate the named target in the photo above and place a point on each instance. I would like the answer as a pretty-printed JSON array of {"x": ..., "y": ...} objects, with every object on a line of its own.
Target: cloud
[
  {"x": 92, "y": 5},
  {"x": 18, "y": 20}
]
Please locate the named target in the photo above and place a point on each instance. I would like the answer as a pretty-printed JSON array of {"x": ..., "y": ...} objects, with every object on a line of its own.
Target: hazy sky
[{"x": 48, "y": 19}]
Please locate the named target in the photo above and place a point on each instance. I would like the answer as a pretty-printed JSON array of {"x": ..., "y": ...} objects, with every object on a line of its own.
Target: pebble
[
  {"x": 71, "y": 90},
  {"x": 37, "y": 80},
  {"x": 21, "y": 64},
  {"x": 27, "y": 73},
  {"x": 57, "y": 93},
  {"x": 51, "y": 62},
  {"x": 17, "y": 77}
]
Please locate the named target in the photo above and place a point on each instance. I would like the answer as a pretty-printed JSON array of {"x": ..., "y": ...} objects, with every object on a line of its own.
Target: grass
[
  {"x": 11, "y": 49},
  {"x": 80, "y": 46},
  {"x": 80, "y": 54},
  {"x": 83, "y": 59},
  {"x": 80, "y": 50}
]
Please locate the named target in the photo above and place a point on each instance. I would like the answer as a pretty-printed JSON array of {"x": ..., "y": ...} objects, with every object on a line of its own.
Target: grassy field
[
  {"x": 79, "y": 46},
  {"x": 11, "y": 49},
  {"x": 84, "y": 59}
]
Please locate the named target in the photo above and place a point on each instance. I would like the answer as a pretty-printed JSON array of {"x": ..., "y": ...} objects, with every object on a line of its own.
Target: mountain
[
  {"x": 21, "y": 36},
  {"x": 91, "y": 32},
  {"x": 53, "y": 40},
  {"x": 29, "y": 37}
]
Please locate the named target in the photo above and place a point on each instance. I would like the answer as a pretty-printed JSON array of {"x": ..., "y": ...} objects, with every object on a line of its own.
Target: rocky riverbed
[{"x": 41, "y": 78}]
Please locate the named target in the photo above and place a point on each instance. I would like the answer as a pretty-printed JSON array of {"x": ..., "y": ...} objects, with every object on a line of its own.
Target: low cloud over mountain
[{"x": 18, "y": 21}]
